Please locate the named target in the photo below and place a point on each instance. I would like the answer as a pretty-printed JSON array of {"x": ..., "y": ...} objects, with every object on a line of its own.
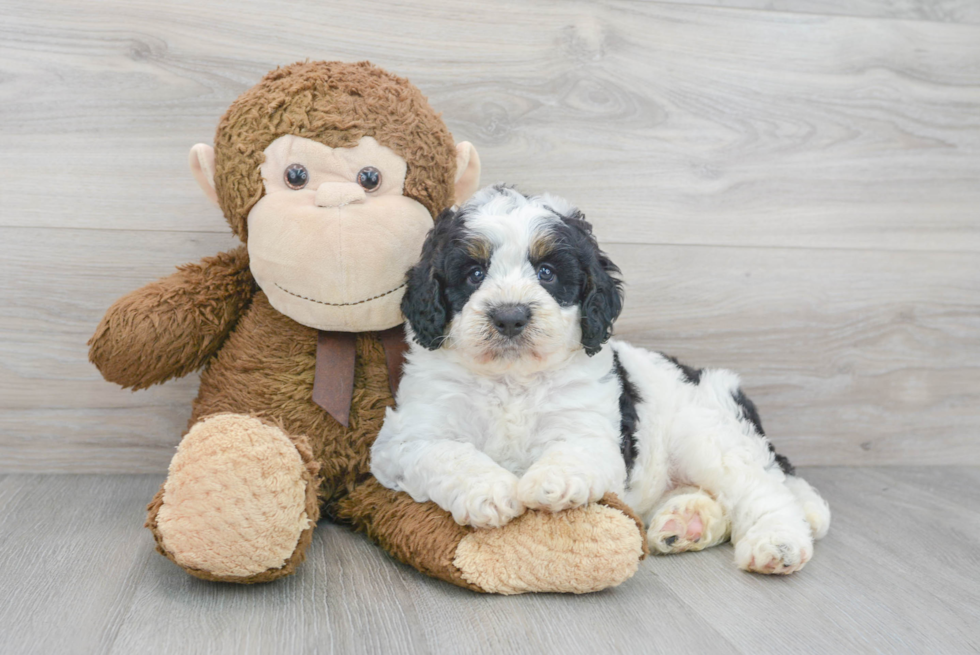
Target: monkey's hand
[{"x": 173, "y": 326}]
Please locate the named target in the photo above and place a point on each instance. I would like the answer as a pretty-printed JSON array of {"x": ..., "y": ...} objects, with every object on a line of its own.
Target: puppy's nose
[
  {"x": 510, "y": 319},
  {"x": 335, "y": 194}
]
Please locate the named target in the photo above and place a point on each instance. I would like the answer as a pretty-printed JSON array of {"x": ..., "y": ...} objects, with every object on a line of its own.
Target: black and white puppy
[{"x": 512, "y": 398}]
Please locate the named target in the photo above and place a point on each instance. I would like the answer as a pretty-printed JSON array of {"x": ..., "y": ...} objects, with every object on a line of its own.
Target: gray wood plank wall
[{"x": 792, "y": 188}]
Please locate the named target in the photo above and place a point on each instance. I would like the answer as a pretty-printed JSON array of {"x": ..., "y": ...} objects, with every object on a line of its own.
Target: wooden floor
[{"x": 898, "y": 573}]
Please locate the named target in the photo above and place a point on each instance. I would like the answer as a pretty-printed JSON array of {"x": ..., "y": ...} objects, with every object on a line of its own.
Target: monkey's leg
[
  {"x": 239, "y": 503},
  {"x": 578, "y": 550}
]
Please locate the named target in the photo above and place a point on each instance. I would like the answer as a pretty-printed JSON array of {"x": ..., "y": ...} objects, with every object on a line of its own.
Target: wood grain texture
[
  {"x": 791, "y": 195},
  {"x": 943, "y": 11},
  {"x": 670, "y": 124},
  {"x": 56, "y": 411},
  {"x": 895, "y": 575},
  {"x": 853, "y": 357},
  {"x": 71, "y": 553}
]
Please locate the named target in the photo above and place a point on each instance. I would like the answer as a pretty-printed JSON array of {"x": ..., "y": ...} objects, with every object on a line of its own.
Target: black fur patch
[
  {"x": 691, "y": 375},
  {"x": 437, "y": 288},
  {"x": 592, "y": 279},
  {"x": 784, "y": 464},
  {"x": 749, "y": 411},
  {"x": 629, "y": 397},
  {"x": 751, "y": 414},
  {"x": 563, "y": 257}
]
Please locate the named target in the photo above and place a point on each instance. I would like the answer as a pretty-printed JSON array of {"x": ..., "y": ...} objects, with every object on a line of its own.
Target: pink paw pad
[
  {"x": 691, "y": 533},
  {"x": 689, "y": 522}
]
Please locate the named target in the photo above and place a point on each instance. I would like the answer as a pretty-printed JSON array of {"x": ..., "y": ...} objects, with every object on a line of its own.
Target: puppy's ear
[
  {"x": 601, "y": 298},
  {"x": 424, "y": 303}
]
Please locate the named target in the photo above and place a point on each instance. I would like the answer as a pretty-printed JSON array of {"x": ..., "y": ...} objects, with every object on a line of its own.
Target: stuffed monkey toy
[{"x": 331, "y": 174}]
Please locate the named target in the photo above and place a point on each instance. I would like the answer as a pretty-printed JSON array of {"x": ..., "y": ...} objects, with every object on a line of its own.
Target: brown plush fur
[
  {"x": 266, "y": 368},
  {"x": 422, "y": 535},
  {"x": 336, "y": 104},
  {"x": 175, "y": 325},
  {"x": 615, "y": 502}
]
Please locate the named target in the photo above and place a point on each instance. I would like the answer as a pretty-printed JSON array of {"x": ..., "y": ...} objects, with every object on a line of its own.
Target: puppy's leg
[
  {"x": 455, "y": 476},
  {"x": 815, "y": 508},
  {"x": 573, "y": 473},
  {"x": 687, "y": 519},
  {"x": 769, "y": 530}
]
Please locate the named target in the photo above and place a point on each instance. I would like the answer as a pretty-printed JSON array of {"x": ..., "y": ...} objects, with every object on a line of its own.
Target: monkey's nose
[
  {"x": 337, "y": 194},
  {"x": 510, "y": 319}
]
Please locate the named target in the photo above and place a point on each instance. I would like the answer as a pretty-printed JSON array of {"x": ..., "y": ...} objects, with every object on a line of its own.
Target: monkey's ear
[
  {"x": 202, "y": 165},
  {"x": 467, "y": 171}
]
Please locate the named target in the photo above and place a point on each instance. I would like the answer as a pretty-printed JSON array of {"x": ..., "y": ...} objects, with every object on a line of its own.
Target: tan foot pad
[
  {"x": 576, "y": 551},
  {"x": 235, "y": 502}
]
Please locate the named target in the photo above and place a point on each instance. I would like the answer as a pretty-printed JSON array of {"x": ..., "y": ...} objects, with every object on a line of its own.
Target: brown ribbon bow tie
[{"x": 333, "y": 382}]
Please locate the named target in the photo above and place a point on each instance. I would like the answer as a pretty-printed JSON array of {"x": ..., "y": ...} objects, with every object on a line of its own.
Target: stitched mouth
[{"x": 342, "y": 304}]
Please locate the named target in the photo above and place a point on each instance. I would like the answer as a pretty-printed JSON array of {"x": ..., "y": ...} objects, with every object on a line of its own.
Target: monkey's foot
[
  {"x": 239, "y": 504},
  {"x": 578, "y": 550},
  {"x": 688, "y": 519}
]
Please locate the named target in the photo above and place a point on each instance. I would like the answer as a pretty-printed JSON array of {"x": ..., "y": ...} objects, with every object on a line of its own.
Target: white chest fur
[
  {"x": 519, "y": 417},
  {"x": 511, "y": 418}
]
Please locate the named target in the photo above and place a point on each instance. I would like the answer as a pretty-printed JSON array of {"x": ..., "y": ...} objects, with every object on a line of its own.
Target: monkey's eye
[
  {"x": 369, "y": 177},
  {"x": 475, "y": 276},
  {"x": 546, "y": 273},
  {"x": 296, "y": 176}
]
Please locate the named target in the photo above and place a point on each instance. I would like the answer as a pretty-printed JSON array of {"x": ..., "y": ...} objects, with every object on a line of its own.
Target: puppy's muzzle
[{"x": 510, "y": 320}]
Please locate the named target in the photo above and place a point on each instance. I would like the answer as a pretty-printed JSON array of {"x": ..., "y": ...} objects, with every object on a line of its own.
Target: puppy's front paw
[
  {"x": 556, "y": 488},
  {"x": 777, "y": 550},
  {"x": 489, "y": 501}
]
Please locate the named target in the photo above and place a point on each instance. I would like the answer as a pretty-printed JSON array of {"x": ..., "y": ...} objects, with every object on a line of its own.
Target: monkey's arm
[{"x": 171, "y": 327}]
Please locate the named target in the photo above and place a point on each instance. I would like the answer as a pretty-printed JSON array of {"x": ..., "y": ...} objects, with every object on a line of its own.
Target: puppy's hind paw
[
  {"x": 688, "y": 522},
  {"x": 777, "y": 552}
]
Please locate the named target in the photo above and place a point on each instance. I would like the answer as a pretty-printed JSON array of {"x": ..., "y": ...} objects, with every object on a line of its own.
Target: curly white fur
[{"x": 486, "y": 428}]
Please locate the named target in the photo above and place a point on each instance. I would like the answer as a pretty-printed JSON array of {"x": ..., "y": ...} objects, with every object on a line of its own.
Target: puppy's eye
[
  {"x": 296, "y": 176},
  {"x": 369, "y": 177},
  {"x": 475, "y": 276},
  {"x": 546, "y": 273}
]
